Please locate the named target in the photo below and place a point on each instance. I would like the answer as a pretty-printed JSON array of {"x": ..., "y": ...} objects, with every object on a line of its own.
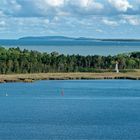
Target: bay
[
  {"x": 82, "y": 50},
  {"x": 78, "y": 109}
]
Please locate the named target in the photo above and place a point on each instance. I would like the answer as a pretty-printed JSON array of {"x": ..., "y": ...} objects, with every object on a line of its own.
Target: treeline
[{"x": 15, "y": 60}]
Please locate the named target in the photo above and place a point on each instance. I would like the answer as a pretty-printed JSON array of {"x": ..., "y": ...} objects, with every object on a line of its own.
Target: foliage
[{"x": 15, "y": 60}]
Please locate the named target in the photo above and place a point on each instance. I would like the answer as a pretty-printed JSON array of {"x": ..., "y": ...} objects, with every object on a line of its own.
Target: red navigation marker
[{"x": 62, "y": 93}]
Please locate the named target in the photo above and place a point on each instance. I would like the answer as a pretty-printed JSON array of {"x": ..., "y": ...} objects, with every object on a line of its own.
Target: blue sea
[
  {"x": 79, "y": 47},
  {"x": 70, "y": 110},
  {"x": 83, "y": 50}
]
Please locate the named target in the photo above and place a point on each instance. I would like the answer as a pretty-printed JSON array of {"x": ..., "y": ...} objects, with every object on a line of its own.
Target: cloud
[
  {"x": 99, "y": 31},
  {"x": 11, "y": 7},
  {"x": 50, "y": 8},
  {"x": 46, "y": 21},
  {"x": 67, "y": 7},
  {"x": 109, "y": 22},
  {"x": 132, "y": 20},
  {"x": 68, "y": 16},
  {"x": 121, "y": 5},
  {"x": 84, "y": 7},
  {"x": 2, "y": 23},
  {"x": 1, "y": 14},
  {"x": 53, "y": 3},
  {"x": 14, "y": 4},
  {"x": 86, "y": 4},
  {"x": 46, "y": 5}
]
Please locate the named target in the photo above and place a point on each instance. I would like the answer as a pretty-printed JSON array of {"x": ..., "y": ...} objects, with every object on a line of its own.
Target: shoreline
[{"x": 6, "y": 78}]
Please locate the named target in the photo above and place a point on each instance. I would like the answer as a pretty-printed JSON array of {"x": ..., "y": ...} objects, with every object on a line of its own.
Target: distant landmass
[
  {"x": 62, "y": 40},
  {"x": 58, "y": 38},
  {"x": 47, "y": 38}
]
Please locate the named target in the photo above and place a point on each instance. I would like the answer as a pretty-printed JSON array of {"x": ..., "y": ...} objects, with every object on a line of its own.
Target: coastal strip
[{"x": 68, "y": 76}]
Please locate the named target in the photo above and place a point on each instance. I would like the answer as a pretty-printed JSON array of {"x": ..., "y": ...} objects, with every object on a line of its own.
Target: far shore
[{"x": 68, "y": 76}]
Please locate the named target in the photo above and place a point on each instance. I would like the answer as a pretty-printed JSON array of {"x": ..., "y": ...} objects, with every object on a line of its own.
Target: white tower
[{"x": 116, "y": 67}]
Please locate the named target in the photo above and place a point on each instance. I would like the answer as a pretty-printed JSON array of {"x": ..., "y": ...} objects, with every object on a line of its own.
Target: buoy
[{"x": 62, "y": 93}]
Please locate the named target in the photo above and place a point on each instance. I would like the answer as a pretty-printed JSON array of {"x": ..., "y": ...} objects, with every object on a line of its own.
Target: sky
[{"x": 72, "y": 18}]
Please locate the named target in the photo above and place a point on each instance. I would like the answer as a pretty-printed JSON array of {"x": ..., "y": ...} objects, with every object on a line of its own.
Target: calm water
[
  {"x": 70, "y": 110},
  {"x": 84, "y": 50},
  {"x": 81, "y": 47}
]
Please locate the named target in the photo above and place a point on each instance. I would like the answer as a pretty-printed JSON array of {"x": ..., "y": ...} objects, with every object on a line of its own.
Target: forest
[{"x": 15, "y": 60}]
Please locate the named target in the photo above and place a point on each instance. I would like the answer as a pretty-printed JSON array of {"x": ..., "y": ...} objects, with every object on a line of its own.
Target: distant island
[{"x": 62, "y": 40}]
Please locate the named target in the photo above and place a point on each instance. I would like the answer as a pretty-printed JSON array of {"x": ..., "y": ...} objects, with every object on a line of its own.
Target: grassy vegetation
[{"x": 66, "y": 76}]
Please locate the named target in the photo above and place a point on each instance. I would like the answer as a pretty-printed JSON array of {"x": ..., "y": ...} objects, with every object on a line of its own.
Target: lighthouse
[{"x": 116, "y": 67}]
